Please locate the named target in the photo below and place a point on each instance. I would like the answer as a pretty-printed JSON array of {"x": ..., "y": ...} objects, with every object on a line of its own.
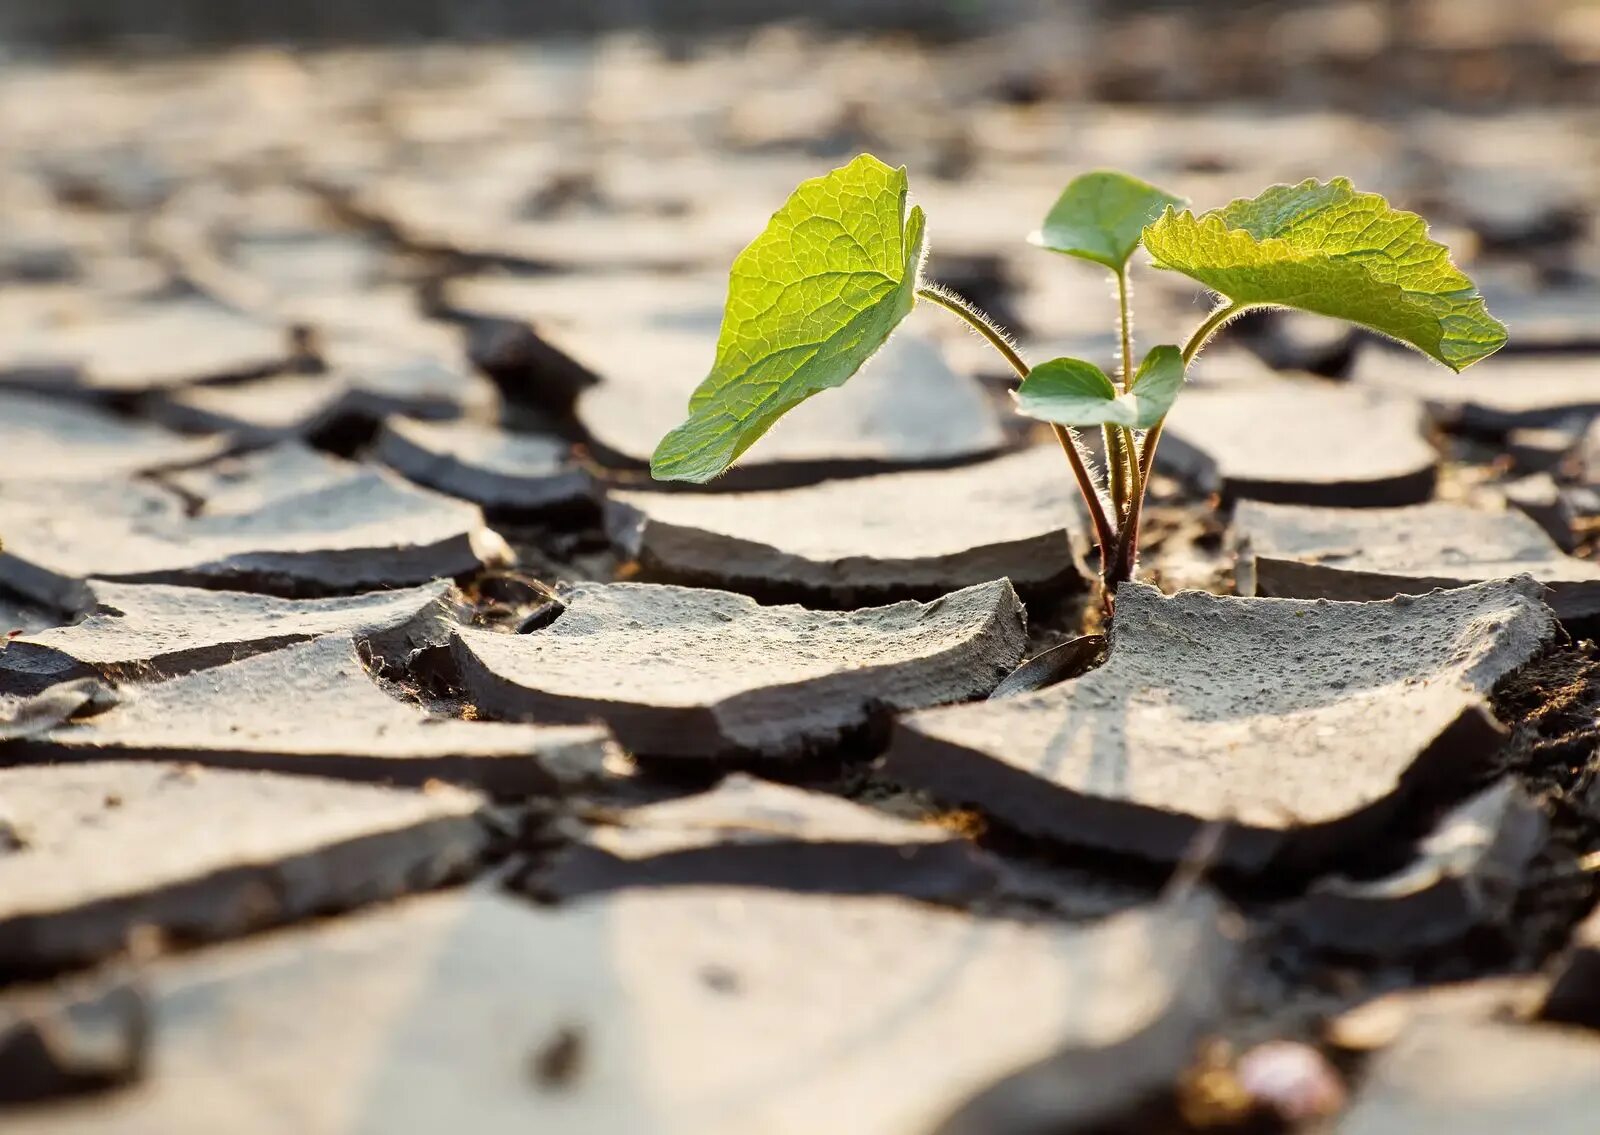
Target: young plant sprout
[{"x": 840, "y": 265}]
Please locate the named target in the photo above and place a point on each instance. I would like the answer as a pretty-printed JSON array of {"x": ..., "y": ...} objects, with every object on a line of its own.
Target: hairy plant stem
[
  {"x": 1121, "y": 454},
  {"x": 1127, "y": 556},
  {"x": 1105, "y": 534}
]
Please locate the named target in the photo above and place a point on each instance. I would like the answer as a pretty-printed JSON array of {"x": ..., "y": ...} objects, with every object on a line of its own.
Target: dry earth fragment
[
  {"x": 502, "y": 471},
  {"x": 1468, "y": 1068},
  {"x": 44, "y": 439},
  {"x": 1301, "y": 442},
  {"x": 312, "y": 709},
  {"x": 352, "y": 529},
  {"x": 705, "y": 1011},
  {"x": 1338, "y": 553},
  {"x": 154, "y": 631},
  {"x": 907, "y": 408},
  {"x": 196, "y": 853},
  {"x": 911, "y": 535},
  {"x": 1505, "y": 392},
  {"x": 749, "y": 832},
  {"x": 1466, "y": 874},
  {"x": 1307, "y": 725},
  {"x": 694, "y": 674}
]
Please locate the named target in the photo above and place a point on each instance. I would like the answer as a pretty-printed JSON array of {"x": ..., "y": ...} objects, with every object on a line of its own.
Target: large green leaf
[
  {"x": 1071, "y": 392},
  {"x": 809, "y": 301},
  {"x": 1100, "y": 216},
  {"x": 1324, "y": 248}
]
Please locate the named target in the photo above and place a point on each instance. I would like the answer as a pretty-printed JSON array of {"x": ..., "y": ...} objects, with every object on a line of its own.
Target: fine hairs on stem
[
  {"x": 995, "y": 336},
  {"x": 1117, "y": 539}
]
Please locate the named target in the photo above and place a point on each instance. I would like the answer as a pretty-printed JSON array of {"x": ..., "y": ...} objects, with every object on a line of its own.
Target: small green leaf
[
  {"x": 1155, "y": 387},
  {"x": 809, "y": 301},
  {"x": 1324, "y": 248},
  {"x": 1071, "y": 392},
  {"x": 1100, "y": 216}
]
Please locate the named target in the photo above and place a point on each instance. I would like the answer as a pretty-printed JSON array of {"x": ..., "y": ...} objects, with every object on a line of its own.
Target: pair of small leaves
[
  {"x": 1072, "y": 392},
  {"x": 1101, "y": 217}
]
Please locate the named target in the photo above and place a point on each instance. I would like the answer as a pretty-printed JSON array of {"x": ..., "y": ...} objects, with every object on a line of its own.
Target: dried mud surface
[{"x": 331, "y": 576}]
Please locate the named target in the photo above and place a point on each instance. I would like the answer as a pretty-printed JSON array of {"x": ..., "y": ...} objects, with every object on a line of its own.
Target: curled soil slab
[
  {"x": 331, "y": 404},
  {"x": 1464, "y": 1067},
  {"x": 911, "y": 535},
  {"x": 1466, "y": 874},
  {"x": 1543, "y": 449},
  {"x": 701, "y": 675},
  {"x": 1306, "y": 726},
  {"x": 151, "y": 631},
  {"x": 1298, "y": 341},
  {"x": 907, "y": 409},
  {"x": 1336, "y": 553},
  {"x": 525, "y": 474},
  {"x": 1542, "y": 501},
  {"x": 632, "y": 298},
  {"x": 143, "y": 349},
  {"x": 1574, "y": 994},
  {"x": 244, "y": 482},
  {"x": 707, "y": 1011},
  {"x": 28, "y": 715},
  {"x": 58, "y": 1041},
  {"x": 48, "y": 440},
  {"x": 749, "y": 832},
  {"x": 358, "y": 530},
  {"x": 1502, "y": 393},
  {"x": 202, "y": 853},
  {"x": 482, "y": 215},
  {"x": 313, "y": 709},
  {"x": 1301, "y": 442}
]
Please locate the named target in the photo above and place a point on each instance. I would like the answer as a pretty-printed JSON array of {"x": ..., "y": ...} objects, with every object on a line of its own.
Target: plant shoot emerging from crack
[{"x": 841, "y": 264}]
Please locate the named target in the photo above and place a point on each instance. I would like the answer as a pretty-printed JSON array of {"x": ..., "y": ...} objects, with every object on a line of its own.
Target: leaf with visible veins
[
  {"x": 809, "y": 301},
  {"x": 1325, "y": 248}
]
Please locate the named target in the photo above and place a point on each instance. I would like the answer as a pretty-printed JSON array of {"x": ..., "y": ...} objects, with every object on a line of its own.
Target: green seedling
[{"x": 840, "y": 265}]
